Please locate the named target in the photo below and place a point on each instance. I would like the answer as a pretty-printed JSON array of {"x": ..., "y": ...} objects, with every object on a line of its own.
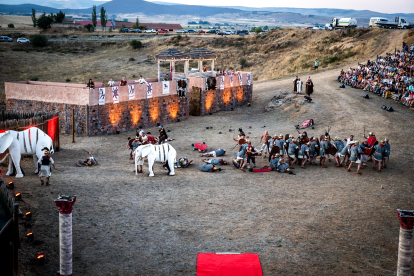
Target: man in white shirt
[
  {"x": 141, "y": 80},
  {"x": 111, "y": 82}
]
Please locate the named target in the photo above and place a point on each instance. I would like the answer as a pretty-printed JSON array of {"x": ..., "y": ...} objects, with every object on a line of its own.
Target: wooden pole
[
  {"x": 16, "y": 239},
  {"x": 73, "y": 125},
  {"x": 159, "y": 70},
  {"x": 87, "y": 120}
]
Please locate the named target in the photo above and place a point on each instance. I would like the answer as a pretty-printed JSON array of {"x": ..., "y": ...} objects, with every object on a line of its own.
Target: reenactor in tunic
[
  {"x": 274, "y": 162},
  {"x": 304, "y": 153},
  {"x": 292, "y": 152},
  {"x": 209, "y": 168},
  {"x": 355, "y": 152},
  {"x": 345, "y": 154},
  {"x": 322, "y": 151},
  {"x": 283, "y": 166},
  {"x": 280, "y": 143},
  {"x": 216, "y": 153},
  {"x": 251, "y": 152},
  {"x": 215, "y": 161},
  {"x": 387, "y": 152},
  {"x": 45, "y": 162},
  {"x": 313, "y": 151},
  {"x": 378, "y": 155},
  {"x": 339, "y": 145}
]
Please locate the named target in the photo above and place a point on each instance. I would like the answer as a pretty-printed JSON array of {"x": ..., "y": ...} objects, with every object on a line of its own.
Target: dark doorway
[{"x": 195, "y": 101}]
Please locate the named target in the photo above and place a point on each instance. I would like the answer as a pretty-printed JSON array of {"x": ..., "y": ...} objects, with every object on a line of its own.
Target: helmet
[
  {"x": 277, "y": 155},
  {"x": 181, "y": 160},
  {"x": 326, "y": 137},
  {"x": 293, "y": 140},
  {"x": 356, "y": 142},
  {"x": 386, "y": 140},
  {"x": 288, "y": 169},
  {"x": 248, "y": 142},
  {"x": 336, "y": 138},
  {"x": 290, "y": 136},
  {"x": 281, "y": 136},
  {"x": 309, "y": 143},
  {"x": 47, "y": 152},
  {"x": 276, "y": 135},
  {"x": 137, "y": 138},
  {"x": 382, "y": 142},
  {"x": 370, "y": 133}
]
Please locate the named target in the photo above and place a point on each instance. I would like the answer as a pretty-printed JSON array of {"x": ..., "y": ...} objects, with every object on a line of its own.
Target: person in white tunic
[
  {"x": 299, "y": 86},
  {"x": 45, "y": 162}
]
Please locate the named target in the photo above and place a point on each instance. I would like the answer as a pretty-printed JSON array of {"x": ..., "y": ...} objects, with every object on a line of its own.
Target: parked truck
[
  {"x": 342, "y": 23},
  {"x": 398, "y": 23}
]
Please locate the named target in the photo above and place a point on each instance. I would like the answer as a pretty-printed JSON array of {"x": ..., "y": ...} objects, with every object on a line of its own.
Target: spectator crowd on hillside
[{"x": 392, "y": 73}]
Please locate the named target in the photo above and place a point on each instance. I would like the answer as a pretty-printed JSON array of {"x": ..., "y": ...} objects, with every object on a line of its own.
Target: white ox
[
  {"x": 29, "y": 141},
  {"x": 164, "y": 153}
]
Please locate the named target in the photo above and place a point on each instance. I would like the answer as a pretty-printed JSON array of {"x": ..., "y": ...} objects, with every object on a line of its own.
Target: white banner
[
  {"x": 240, "y": 79},
  {"x": 249, "y": 78},
  {"x": 231, "y": 80},
  {"x": 115, "y": 94},
  {"x": 101, "y": 96},
  {"x": 131, "y": 91},
  {"x": 149, "y": 90},
  {"x": 221, "y": 82},
  {"x": 165, "y": 87}
]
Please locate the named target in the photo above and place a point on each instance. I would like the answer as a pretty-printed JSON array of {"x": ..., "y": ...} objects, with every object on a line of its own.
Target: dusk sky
[{"x": 385, "y": 6}]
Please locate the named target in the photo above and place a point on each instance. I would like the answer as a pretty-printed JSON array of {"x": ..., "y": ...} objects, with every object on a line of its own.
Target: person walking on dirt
[
  {"x": 45, "y": 163},
  {"x": 295, "y": 85},
  {"x": 316, "y": 64},
  {"x": 266, "y": 137}
]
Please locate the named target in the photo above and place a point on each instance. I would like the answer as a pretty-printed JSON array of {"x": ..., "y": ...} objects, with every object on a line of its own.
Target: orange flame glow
[
  {"x": 209, "y": 99},
  {"x": 114, "y": 116},
  {"x": 174, "y": 110},
  {"x": 239, "y": 94},
  {"x": 135, "y": 115},
  {"x": 226, "y": 95},
  {"x": 154, "y": 111}
]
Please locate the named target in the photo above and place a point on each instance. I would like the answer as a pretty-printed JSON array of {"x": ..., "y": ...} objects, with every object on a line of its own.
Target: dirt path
[{"x": 317, "y": 222}]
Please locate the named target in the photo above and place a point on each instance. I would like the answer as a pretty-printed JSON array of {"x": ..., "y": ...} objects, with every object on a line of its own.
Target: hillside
[{"x": 277, "y": 53}]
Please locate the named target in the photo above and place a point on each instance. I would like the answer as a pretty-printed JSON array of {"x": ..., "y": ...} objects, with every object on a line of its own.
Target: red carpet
[{"x": 211, "y": 264}]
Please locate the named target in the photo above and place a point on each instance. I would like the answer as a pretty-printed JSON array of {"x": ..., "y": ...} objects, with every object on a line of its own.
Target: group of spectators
[
  {"x": 227, "y": 72},
  {"x": 392, "y": 73},
  {"x": 112, "y": 83}
]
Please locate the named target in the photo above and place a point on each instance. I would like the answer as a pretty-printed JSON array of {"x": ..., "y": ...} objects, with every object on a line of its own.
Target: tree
[
  {"x": 94, "y": 17},
  {"x": 34, "y": 18},
  {"x": 104, "y": 18},
  {"x": 44, "y": 21},
  {"x": 89, "y": 27},
  {"x": 136, "y": 44},
  {"x": 10, "y": 25},
  {"x": 60, "y": 16},
  {"x": 136, "y": 25}
]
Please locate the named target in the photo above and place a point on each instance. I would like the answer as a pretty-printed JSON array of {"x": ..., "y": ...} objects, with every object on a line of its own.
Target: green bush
[
  {"x": 110, "y": 29},
  {"x": 136, "y": 44},
  {"x": 38, "y": 40},
  {"x": 89, "y": 27},
  {"x": 178, "y": 37},
  {"x": 10, "y": 25},
  {"x": 243, "y": 62},
  {"x": 34, "y": 78}
]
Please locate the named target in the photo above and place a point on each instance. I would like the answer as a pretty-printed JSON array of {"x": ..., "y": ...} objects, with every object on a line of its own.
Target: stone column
[
  {"x": 212, "y": 65},
  {"x": 186, "y": 65},
  {"x": 65, "y": 203},
  {"x": 172, "y": 70},
  {"x": 405, "y": 245}
]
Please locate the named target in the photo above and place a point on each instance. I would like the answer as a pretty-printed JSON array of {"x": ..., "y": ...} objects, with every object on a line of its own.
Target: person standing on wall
[{"x": 123, "y": 82}]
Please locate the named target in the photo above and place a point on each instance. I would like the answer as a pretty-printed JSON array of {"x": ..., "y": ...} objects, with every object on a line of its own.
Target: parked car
[
  {"x": 163, "y": 31},
  {"x": 243, "y": 32},
  {"x": 318, "y": 28},
  {"x": 136, "y": 31},
  {"x": 191, "y": 32},
  {"x": 211, "y": 32},
  {"x": 150, "y": 31},
  {"x": 201, "y": 32},
  {"x": 125, "y": 30},
  {"x": 220, "y": 33},
  {"x": 23, "y": 40},
  {"x": 308, "y": 28},
  {"x": 5, "y": 39},
  {"x": 227, "y": 32},
  {"x": 181, "y": 31}
]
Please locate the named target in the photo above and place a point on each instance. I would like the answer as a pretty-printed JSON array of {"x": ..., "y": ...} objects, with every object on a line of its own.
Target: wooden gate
[{"x": 195, "y": 101}]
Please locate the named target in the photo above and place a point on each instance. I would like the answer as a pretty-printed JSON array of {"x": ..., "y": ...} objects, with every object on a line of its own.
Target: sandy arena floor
[{"x": 317, "y": 222}]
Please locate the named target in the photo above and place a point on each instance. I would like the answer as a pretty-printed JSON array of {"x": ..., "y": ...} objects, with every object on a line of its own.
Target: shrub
[
  {"x": 10, "y": 25},
  {"x": 131, "y": 59},
  {"x": 38, "y": 40},
  {"x": 34, "y": 78},
  {"x": 110, "y": 29},
  {"x": 67, "y": 80},
  {"x": 178, "y": 37},
  {"x": 136, "y": 44},
  {"x": 89, "y": 27},
  {"x": 243, "y": 62}
]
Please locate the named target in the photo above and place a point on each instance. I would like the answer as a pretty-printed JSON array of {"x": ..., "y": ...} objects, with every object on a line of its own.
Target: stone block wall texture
[{"x": 94, "y": 119}]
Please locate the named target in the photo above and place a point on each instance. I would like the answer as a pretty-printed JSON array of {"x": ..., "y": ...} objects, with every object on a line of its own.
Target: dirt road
[{"x": 317, "y": 222}]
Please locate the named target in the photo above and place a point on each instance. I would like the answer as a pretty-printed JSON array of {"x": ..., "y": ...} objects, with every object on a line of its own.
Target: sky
[{"x": 384, "y": 6}]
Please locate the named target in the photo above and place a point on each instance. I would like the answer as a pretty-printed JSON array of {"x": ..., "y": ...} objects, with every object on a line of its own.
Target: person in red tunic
[
  {"x": 151, "y": 139},
  {"x": 371, "y": 139},
  {"x": 123, "y": 82}
]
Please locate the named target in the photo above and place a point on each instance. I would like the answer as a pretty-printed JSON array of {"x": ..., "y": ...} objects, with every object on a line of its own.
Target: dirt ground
[{"x": 317, "y": 222}]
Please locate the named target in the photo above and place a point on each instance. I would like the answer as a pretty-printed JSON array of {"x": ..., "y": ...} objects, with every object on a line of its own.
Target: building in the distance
[{"x": 98, "y": 23}]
